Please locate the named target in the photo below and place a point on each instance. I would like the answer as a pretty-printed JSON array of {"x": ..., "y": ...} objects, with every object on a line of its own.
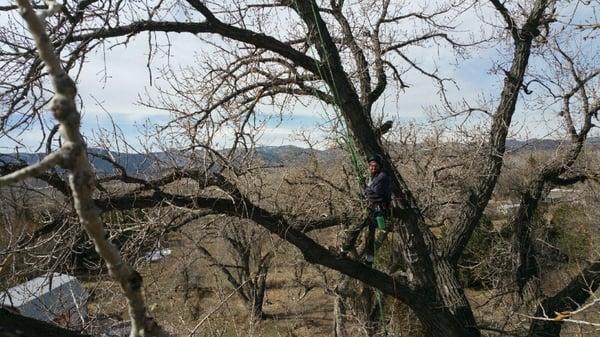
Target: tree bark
[
  {"x": 14, "y": 325},
  {"x": 258, "y": 291},
  {"x": 570, "y": 298}
]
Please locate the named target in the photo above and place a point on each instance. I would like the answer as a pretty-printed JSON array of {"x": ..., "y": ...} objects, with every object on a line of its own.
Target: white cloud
[
  {"x": 30, "y": 139},
  {"x": 127, "y": 77},
  {"x": 114, "y": 79}
]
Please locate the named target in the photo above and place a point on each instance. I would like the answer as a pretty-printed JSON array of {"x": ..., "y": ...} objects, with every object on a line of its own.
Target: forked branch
[{"x": 81, "y": 176}]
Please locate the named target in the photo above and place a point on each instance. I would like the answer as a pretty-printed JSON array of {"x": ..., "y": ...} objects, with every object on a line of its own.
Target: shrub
[
  {"x": 563, "y": 235},
  {"x": 486, "y": 258}
]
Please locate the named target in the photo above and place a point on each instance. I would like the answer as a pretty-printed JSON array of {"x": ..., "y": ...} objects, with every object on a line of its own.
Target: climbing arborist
[{"x": 377, "y": 192}]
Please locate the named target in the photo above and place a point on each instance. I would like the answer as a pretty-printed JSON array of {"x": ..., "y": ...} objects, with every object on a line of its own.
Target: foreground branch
[
  {"x": 81, "y": 176},
  {"x": 33, "y": 170},
  {"x": 17, "y": 325}
]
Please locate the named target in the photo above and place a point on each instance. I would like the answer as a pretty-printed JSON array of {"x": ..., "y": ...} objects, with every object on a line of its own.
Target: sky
[{"x": 112, "y": 82}]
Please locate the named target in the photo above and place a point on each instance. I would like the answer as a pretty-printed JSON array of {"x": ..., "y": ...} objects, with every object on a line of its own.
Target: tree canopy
[{"x": 350, "y": 56}]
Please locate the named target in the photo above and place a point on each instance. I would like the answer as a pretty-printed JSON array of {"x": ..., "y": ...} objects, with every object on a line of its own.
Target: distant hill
[
  {"x": 542, "y": 144},
  {"x": 133, "y": 163},
  {"x": 292, "y": 155},
  {"x": 150, "y": 164},
  {"x": 153, "y": 163}
]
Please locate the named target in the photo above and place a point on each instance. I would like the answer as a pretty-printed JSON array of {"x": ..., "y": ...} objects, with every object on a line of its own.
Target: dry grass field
[{"x": 190, "y": 296}]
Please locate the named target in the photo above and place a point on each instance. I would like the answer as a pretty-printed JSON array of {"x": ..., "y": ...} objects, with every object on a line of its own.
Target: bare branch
[
  {"x": 510, "y": 22},
  {"x": 81, "y": 178},
  {"x": 34, "y": 170},
  {"x": 479, "y": 195},
  {"x": 567, "y": 301}
]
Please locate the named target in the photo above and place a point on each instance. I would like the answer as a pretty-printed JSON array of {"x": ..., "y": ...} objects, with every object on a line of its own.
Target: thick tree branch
[
  {"x": 276, "y": 224},
  {"x": 15, "y": 325},
  {"x": 257, "y": 39},
  {"x": 215, "y": 26},
  {"x": 362, "y": 66},
  {"x": 508, "y": 19},
  {"x": 570, "y": 298},
  {"x": 379, "y": 61},
  {"x": 478, "y": 197}
]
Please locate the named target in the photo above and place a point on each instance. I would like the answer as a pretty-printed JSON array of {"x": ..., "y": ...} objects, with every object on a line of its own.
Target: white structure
[
  {"x": 156, "y": 255},
  {"x": 55, "y": 297},
  {"x": 557, "y": 195}
]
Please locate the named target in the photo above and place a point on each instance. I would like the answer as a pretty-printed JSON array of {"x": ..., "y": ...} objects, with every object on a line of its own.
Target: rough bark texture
[
  {"x": 14, "y": 325},
  {"x": 570, "y": 298},
  {"x": 522, "y": 226},
  {"x": 259, "y": 287}
]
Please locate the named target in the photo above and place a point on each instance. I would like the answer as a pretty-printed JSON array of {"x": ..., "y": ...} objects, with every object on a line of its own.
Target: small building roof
[{"x": 34, "y": 288}]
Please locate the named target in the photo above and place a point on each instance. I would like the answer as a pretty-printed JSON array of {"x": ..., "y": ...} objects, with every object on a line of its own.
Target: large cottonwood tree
[{"x": 346, "y": 55}]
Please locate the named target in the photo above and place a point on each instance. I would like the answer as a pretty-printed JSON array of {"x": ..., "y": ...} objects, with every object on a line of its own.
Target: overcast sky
[{"x": 112, "y": 81}]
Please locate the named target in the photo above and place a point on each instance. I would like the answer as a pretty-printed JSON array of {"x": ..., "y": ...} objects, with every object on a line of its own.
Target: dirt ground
[{"x": 189, "y": 297}]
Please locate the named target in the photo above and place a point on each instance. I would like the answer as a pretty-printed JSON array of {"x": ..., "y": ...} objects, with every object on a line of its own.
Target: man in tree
[
  {"x": 377, "y": 192},
  {"x": 351, "y": 64}
]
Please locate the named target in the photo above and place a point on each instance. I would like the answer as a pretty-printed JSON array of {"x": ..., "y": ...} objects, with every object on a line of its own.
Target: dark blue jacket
[{"x": 379, "y": 191}]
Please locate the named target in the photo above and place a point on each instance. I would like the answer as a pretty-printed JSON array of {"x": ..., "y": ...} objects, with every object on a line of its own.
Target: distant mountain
[
  {"x": 150, "y": 164},
  {"x": 133, "y": 163},
  {"x": 542, "y": 144},
  {"x": 290, "y": 155}
]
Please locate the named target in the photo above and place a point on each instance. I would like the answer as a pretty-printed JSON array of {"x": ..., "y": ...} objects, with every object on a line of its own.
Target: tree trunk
[
  {"x": 257, "y": 300},
  {"x": 258, "y": 289},
  {"x": 446, "y": 311},
  {"x": 570, "y": 298},
  {"x": 439, "y": 322}
]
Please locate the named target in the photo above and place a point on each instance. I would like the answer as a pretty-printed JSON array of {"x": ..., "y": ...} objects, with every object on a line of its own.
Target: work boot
[
  {"x": 338, "y": 251},
  {"x": 349, "y": 253}
]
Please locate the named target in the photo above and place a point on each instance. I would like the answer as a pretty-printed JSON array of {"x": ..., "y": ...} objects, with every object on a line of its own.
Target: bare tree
[
  {"x": 348, "y": 64},
  {"x": 251, "y": 262}
]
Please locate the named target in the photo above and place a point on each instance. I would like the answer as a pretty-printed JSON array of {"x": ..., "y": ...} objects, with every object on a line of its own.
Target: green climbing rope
[{"x": 349, "y": 147}]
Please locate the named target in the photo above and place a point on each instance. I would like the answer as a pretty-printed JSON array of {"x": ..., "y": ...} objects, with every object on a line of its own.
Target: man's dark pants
[{"x": 351, "y": 234}]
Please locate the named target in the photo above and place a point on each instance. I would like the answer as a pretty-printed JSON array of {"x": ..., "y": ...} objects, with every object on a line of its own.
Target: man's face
[{"x": 374, "y": 167}]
